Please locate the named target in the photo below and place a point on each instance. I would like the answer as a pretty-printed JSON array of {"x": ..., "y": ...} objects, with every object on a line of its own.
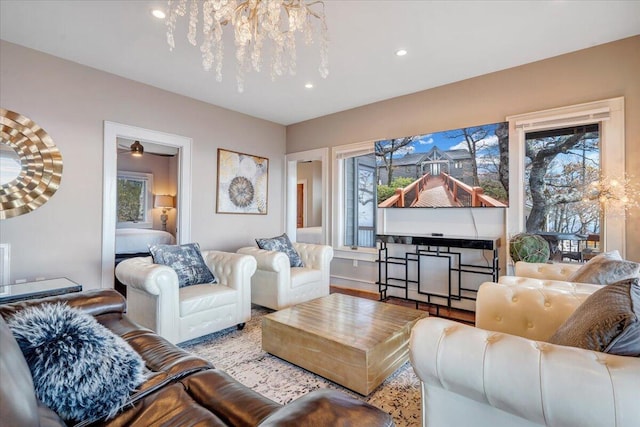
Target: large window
[
  {"x": 354, "y": 198},
  {"x": 560, "y": 166},
  {"x": 360, "y": 201},
  {"x": 555, "y": 154},
  {"x": 134, "y": 200}
]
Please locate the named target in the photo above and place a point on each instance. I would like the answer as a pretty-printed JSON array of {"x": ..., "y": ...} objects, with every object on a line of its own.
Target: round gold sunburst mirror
[{"x": 30, "y": 165}]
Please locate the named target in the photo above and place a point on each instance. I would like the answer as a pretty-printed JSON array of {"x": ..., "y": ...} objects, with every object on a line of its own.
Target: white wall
[{"x": 71, "y": 102}]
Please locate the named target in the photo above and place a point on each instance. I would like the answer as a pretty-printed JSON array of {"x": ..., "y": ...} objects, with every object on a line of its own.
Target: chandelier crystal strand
[
  {"x": 253, "y": 21},
  {"x": 193, "y": 22},
  {"x": 618, "y": 194}
]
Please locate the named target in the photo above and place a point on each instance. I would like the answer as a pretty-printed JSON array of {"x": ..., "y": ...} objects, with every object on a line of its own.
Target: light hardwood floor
[{"x": 462, "y": 316}]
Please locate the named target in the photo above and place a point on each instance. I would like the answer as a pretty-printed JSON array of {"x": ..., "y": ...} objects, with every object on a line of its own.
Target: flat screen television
[{"x": 466, "y": 167}]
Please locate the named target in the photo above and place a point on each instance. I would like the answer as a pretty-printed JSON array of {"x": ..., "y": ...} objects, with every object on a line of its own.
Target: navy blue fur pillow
[{"x": 80, "y": 369}]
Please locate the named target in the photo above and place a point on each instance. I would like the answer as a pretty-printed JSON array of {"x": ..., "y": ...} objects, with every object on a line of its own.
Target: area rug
[{"x": 239, "y": 353}]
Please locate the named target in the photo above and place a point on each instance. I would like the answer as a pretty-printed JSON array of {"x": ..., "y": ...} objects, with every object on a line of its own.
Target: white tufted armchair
[
  {"x": 155, "y": 301},
  {"x": 503, "y": 373},
  {"x": 277, "y": 285}
]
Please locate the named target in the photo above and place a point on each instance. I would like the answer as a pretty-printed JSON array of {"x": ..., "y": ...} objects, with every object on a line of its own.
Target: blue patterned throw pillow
[
  {"x": 80, "y": 369},
  {"x": 281, "y": 244},
  {"x": 186, "y": 261}
]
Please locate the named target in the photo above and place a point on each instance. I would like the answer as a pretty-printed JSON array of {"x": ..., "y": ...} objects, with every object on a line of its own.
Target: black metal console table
[{"x": 446, "y": 247}]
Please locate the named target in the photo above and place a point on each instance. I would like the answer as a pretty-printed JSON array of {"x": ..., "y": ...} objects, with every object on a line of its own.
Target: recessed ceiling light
[
  {"x": 309, "y": 85},
  {"x": 401, "y": 52},
  {"x": 158, "y": 13}
]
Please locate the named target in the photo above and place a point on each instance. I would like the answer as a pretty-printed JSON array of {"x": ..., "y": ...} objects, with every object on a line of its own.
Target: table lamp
[{"x": 164, "y": 202}]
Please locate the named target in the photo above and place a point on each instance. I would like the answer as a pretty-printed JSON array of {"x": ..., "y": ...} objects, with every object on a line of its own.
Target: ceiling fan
[{"x": 137, "y": 150}]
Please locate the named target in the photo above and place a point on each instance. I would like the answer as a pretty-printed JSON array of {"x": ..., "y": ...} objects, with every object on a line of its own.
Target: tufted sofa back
[
  {"x": 530, "y": 308},
  {"x": 539, "y": 270}
]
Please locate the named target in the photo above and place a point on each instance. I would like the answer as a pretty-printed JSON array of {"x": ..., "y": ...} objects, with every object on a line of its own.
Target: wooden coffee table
[{"x": 352, "y": 341}]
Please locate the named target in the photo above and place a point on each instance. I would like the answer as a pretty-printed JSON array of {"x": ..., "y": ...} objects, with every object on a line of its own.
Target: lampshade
[
  {"x": 137, "y": 149},
  {"x": 163, "y": 201}
]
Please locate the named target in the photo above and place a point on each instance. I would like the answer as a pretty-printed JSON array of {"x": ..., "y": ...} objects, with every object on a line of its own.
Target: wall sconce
[
  {"x": 164, "y": 202},
  {"x": 137, "y": 150}
]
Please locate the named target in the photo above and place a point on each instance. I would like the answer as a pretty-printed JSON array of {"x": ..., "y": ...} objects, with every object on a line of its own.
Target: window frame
[
  {"x": 147, "y": 178},
  {"x": 339, "y": 153},
  {"x": 610, "y": 114}
]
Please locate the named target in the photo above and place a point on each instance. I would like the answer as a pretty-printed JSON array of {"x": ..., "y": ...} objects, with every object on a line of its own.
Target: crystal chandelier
[
  {"x": 253, "y": 21},
  {"x": 617, "y": 194}
]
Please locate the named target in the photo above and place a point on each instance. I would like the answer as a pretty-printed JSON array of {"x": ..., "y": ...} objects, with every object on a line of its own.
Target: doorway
[
  {"x": 291, "y": 191},
  {"x": 301, "y": 202},
  {"x": 113, "y": 132}
]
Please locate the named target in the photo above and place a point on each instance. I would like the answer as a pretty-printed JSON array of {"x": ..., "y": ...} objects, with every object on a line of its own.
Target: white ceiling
[{"x": 447, "y": 41}]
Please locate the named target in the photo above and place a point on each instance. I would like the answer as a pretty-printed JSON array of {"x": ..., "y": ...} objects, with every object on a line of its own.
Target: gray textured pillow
[
  {"x": 186, "y": 260},
  {"x": 282, "y": 244},
  {"x": 607, "y": 321},
  {"x": 605, "y": 269}
]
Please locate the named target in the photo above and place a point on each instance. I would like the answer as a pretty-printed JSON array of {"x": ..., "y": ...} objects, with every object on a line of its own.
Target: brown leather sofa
[{"x": 182, "y": 390}]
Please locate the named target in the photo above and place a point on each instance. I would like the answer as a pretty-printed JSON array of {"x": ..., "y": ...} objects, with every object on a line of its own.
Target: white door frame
[{"x": 112, "y": 131}]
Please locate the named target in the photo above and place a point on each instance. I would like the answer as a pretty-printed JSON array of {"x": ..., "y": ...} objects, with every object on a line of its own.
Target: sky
[{"x": 444, "y": 141}]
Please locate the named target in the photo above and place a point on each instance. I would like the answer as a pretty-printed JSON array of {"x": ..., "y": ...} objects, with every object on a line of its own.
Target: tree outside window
[
  {"x": 134, "y": 199},
  {"x": 560, "y": 164}
]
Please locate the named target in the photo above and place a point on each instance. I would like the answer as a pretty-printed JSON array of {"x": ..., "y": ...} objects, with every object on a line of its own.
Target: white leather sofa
[
  {"x": 155, "y": 300},
  {"x": 277, "y": 285},
  {"x": 503, "y": 373}
]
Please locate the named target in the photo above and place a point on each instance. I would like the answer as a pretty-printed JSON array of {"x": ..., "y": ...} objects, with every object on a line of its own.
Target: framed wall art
[{"x": 242, "y": 183}]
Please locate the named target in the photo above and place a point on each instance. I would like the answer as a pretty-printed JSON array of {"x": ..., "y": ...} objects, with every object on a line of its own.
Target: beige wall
[
  {"x": 601, "y": 72},
  {"x": 71, "y": 102}
]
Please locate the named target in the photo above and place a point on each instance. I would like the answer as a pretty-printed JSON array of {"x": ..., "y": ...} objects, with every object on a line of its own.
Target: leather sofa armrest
[
  {"x": 95, "y": 302},
  {"x": 544, "y": 383},
  {"x": 273, "y": 261},
  {"x": 141, "y": 273},
  {"x": 528, "y": 309},
  {"x": 326, "y": 407},
  {"x": 314, "y": 256}
]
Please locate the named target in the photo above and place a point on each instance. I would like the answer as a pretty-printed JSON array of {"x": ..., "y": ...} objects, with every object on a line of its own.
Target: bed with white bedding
[
  {"x": 137, "y": 240},
  {"x": 309, "y": 235}
]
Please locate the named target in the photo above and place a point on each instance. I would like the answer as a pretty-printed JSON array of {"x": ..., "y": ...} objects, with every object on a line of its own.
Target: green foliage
[
  {"x": 386, "y": 191},
  {"x": 494, "y": 188},
  {"x": 529, "y": 248},
  {"x": 401, "y": 182},
  {"x": 129, "y": 198}
]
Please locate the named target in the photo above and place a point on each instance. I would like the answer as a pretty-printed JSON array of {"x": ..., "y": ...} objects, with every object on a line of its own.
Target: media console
[{"x": 402, "y": 261}]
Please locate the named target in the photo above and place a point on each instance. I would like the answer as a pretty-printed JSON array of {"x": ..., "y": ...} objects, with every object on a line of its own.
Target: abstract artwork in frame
[{"x": 242, "y": 183}]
